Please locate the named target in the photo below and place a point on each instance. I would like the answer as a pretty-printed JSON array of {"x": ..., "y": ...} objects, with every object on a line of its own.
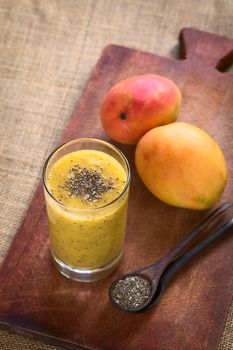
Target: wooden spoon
[{"x": 161, "y": 272}]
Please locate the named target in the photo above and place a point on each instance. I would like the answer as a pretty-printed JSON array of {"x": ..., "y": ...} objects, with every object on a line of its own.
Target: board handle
[{"x": 209, "y": 49}]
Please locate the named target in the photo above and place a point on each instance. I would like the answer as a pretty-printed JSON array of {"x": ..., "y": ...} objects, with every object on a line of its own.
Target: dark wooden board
[{"x": 37, "y": 301}]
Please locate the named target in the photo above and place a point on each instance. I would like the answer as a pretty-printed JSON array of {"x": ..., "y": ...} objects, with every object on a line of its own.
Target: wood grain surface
[{"x": 37, "y": 301}]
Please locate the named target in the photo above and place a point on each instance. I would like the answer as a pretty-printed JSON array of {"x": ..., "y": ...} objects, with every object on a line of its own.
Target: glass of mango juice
[{"x": 86, "y": 185}]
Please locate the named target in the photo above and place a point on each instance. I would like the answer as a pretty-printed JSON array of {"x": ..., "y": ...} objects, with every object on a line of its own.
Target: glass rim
[{"x": 90, "y": 139}]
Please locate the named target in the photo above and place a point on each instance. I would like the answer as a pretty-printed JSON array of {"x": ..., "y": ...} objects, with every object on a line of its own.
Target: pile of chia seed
[
  {"x": 88, "y": 183},
  {"x": 131, "y": 292}
]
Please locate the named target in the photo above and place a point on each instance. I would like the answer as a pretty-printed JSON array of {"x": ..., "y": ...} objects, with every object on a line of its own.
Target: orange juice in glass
[{"x": 86, "y": 185}]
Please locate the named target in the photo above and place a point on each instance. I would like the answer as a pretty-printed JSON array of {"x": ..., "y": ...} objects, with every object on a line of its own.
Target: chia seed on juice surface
[
  {"x": 131, "y": 292},
  {"x": 88, "y": 183}
]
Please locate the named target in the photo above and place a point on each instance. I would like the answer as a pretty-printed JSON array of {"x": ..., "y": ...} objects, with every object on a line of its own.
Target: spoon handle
[
  {"x": 174, "y": 266},
  {"x": 196, "y": 231}
]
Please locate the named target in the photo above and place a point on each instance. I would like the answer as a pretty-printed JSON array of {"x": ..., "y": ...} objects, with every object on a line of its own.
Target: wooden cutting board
[{"x": 37, "y": 301}]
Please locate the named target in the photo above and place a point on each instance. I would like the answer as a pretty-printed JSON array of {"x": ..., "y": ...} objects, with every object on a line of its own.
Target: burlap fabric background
[{"x": 48, "y": 48}]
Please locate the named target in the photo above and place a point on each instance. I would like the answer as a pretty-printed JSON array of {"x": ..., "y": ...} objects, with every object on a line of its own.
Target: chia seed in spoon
[{"x": 131, "y": 292}]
